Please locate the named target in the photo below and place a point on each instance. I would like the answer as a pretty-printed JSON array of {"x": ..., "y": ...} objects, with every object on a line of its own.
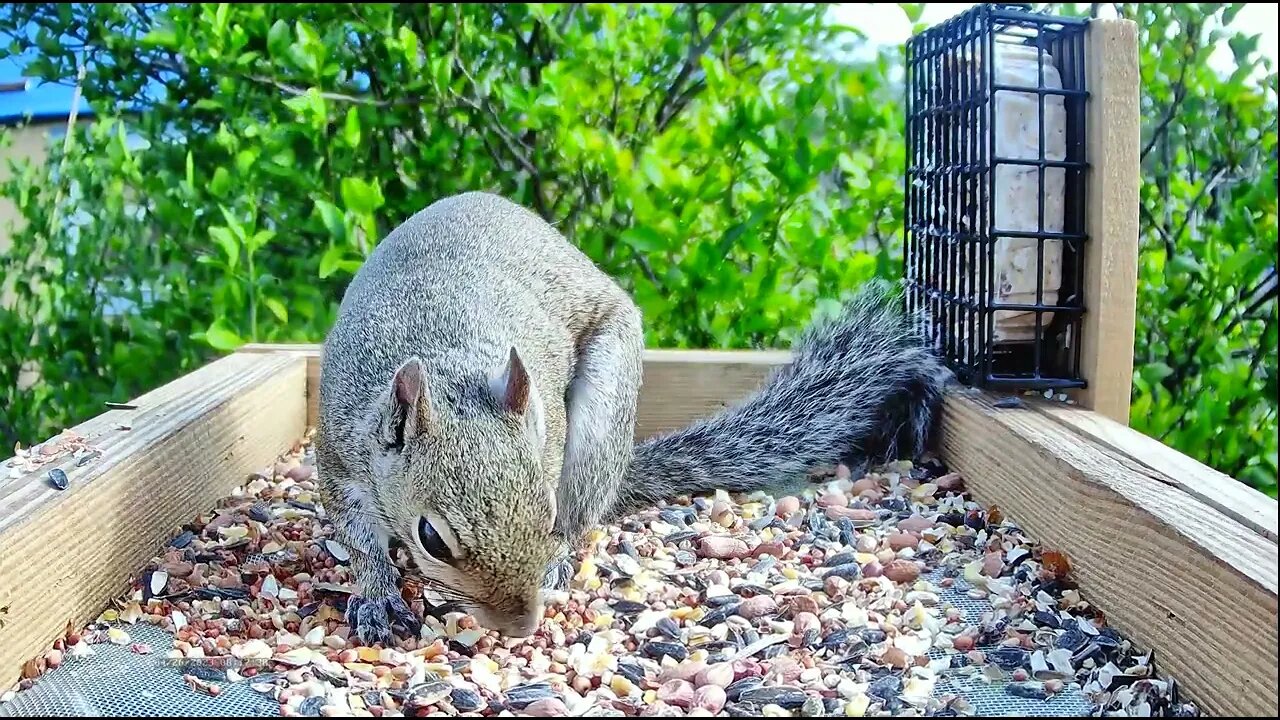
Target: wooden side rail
[
  {"x": 65, "y": 554},
  {"x": 1181, "y": 559}
]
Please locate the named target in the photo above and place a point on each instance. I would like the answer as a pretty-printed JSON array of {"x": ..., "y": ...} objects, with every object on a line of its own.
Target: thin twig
[
  {"x": 686, "y": 97},
  {"x": 568, "y": 17},
  {"x": 67, "y": 141},
  {"x": 337, "y": 97},
  {"x": 1169, "y": 248},
  {"x": 695, "y": 53},
  {"x": 1179, "y": 93},
  {"x": 1191, "y": 206},
  {"x": 512, "y": 144}
]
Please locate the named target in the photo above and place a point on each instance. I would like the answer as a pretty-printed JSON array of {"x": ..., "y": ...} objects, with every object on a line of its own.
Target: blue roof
[{"x": 43, "y": 101}]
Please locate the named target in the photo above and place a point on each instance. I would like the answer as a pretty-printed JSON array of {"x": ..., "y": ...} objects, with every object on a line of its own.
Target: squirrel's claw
[
  {"x": 560, "y": 570},
  {"x": 375, "y": 618},
  {"x": 559, "y": 573}
]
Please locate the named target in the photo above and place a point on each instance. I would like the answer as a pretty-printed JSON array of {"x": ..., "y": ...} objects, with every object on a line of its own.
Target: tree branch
[
  {"x": 336, "y": 97},
  {"x": 518, "y": 151},
  {"x": 647, "y": 269},
  {"x": 613, "y": 109},
  {"x": 682, "y": 102},
  {"x": 1191, "y": 206},
  {"x": 1266, "y": 290},
  {"x": 691, "y": 61},
  {"x": 1169, "y": 248},
  {"x": 568, "y": 17},
  {"x": 1179, "y": 93}
]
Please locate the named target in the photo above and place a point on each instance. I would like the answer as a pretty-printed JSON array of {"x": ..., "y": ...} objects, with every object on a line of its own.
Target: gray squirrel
[{"x": 478, "y": 399}]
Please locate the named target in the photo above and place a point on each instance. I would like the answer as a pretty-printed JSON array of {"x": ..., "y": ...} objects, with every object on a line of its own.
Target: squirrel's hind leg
[{"x": 600, "y": 415}]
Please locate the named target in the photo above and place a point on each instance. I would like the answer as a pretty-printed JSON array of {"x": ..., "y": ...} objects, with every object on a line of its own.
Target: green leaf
[
  {"x": 652, "y": 169},
  {"x": 221, "y": 336},
  {"x": 1156, "y": 371},
  {"x": 208, "y": 104},
  {"x": 409, "y": 41},
  {"x": 441, "y": 71},
  {"x": 227, "y": 241},
  {"x": 277, "y": 308},
  {"x": 644, "y": 239},
  {"x": 259, "y": 239},
  {"x": 351, "y": 129},
  {"x": 220, "y": 183},
  {"x": 161, "y": 37},
  {"x": 279, "y": 38},
  {"x": 298, "y": 103},
  {"x": 245, "y": 160},
  {"x": 307, "y": 34},
  {"x": 331, "y": 261},
  {"x": 1242, "y": 46},
  {"x": 1186, "y": 264},
  {"x": 361, "y": 196},
  {"x": 332, "y": 219},
  {"x": 220, "y": 17},
  {"x": 310, "y": 105}
]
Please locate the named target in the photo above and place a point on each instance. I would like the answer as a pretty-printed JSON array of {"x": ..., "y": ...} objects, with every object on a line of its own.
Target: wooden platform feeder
[{"x": 1181, "y": 558}]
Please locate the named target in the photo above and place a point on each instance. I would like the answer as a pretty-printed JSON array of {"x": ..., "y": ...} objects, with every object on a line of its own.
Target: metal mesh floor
[
  {"x": 115, "y": 682},
  {"x": 991, "y": 699}
]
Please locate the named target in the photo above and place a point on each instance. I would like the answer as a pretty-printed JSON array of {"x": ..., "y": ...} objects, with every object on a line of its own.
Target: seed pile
[
  {"x": 856, "y": 597},
  {"x": 55, "y": 449}
]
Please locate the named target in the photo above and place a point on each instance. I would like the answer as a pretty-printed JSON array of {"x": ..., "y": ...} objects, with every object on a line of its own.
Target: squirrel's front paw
[
  {"x": 559, "y": 572},
  {"x": 374, "y": 618}
]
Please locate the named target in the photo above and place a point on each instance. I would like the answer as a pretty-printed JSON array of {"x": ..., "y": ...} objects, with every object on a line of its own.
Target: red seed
[
  {"x": 786, "y": 505},
  {"x": 902, "y": 571},
  {"x": 901, "y": 540},
  {"x": 855, "y": 514}
]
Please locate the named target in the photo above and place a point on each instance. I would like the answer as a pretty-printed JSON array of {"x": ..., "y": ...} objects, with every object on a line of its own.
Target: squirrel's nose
[{"x": 521, "y": 624}]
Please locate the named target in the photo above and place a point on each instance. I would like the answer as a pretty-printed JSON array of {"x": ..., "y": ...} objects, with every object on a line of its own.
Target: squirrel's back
[
  {"x": 442, "y": 418},
  {"x": 458, "y": 285}
]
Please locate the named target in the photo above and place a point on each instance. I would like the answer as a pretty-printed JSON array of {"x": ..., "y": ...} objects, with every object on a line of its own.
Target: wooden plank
[
  {"x": 309, "y": 351},
  {"x": 1113, "y": 141},
  {"x": 64, "y": 555},
  {"x": 679, "y": 385},
  {"x": 1174, "y": 574},
  {"x": 1229, "y": 496}
]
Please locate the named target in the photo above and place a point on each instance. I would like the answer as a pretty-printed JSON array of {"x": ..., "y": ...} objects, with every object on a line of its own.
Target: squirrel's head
[{"x": 463, "y": 486}]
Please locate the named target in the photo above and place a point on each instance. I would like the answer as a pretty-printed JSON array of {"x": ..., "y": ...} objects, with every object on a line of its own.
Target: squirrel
[{"x": 477, "y": 404}]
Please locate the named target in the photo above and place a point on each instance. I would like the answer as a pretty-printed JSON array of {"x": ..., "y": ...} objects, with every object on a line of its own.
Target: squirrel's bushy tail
[{"x": 861, "y": 389}]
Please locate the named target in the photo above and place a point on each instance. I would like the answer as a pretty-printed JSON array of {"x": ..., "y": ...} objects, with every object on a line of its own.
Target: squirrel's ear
[
  {"x": 515, "y": 392},
  {"x": 410, "y": 403},
  {"x": 511, "y": 386}
]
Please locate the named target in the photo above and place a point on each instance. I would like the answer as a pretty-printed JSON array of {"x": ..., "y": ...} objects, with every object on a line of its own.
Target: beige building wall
[
  {"x": 26, "y": 143},
  {"x": 32, "y": 143}
]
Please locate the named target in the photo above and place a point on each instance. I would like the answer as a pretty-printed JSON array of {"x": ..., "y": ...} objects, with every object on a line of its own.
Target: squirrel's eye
[{"x": 432, "y": 542}]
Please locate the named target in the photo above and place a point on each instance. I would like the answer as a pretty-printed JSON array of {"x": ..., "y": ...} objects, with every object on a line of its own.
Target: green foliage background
[{"x": 729, "y": 164}]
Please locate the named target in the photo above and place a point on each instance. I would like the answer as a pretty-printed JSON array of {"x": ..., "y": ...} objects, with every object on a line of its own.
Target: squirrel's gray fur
[
  {"x": 861, "y": 388},
  {"x": 484, "y": 374}
]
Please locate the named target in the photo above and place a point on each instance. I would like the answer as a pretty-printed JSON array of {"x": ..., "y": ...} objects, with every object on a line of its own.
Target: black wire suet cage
[{"x": 995, "y": 196}]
